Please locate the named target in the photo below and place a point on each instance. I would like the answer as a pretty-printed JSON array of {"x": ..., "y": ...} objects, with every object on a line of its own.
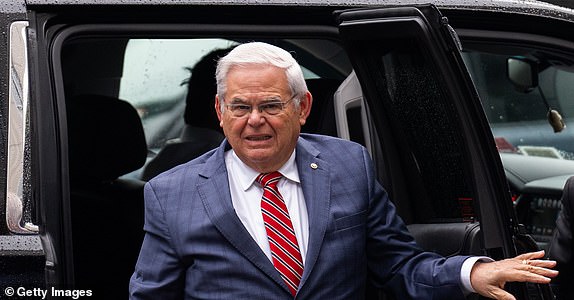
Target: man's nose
[{"x": 256, "y": 117}]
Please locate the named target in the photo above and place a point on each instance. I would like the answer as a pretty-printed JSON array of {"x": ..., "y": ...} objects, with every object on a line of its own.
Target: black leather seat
[
  {"x": 449, "y": 239},
  {"x": 106, "y": 140},
  {"x": 193, "y": 142}
]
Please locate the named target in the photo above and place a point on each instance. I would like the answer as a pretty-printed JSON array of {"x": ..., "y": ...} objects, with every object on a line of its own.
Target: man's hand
[{"x": 488, "y": 278}]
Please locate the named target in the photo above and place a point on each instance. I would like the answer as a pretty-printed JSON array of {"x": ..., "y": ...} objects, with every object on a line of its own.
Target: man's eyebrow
[
  {"x": 238, "y": 101},
  {"x": 264, "y": 100},
  {"x": 271, "y": 99}
]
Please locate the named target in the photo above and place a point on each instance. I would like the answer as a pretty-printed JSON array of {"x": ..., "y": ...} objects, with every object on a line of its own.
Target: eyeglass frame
[{"x": 259, "y": 107}]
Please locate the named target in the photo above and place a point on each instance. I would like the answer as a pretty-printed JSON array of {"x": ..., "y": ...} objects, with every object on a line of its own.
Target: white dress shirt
[{"x": 246, "y": 198}]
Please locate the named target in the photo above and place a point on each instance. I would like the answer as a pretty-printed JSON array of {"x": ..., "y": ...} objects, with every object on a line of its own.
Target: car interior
[
  {"x": 126, "y": 123},
  {"x": 107, "y": 210}
]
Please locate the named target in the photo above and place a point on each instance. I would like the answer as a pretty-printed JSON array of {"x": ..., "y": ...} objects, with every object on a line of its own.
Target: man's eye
[
  {"x": 242, "y": 107},
  {"x": 271, "y": 106}
]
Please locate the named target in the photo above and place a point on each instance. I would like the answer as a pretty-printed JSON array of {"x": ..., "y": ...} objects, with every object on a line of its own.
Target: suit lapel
[
  {"x": 316, "y": 184},
  {"x": 216, "y": 198}
]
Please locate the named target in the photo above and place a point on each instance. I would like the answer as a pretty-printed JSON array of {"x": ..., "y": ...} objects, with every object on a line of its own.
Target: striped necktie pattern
[{"x": 285, "y": 252}]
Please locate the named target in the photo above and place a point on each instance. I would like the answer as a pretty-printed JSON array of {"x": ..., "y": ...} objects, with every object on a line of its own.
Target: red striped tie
[{"x": 285, "y": 252}]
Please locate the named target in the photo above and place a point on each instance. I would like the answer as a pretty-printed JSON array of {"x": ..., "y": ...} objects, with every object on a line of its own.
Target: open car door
[{"x": 430, "y": 139}]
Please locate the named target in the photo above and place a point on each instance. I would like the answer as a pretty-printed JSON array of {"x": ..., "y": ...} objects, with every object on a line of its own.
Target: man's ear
[
  {"x": 305, "y": 107},
  {"x": 218, "y": 110}
]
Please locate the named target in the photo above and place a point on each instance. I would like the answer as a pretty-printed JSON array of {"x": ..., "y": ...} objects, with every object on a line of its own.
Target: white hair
[{"x": 258, "y": 53}]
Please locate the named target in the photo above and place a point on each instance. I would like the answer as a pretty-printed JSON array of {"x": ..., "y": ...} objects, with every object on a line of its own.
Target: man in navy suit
[{"x": 275, "y": 214}]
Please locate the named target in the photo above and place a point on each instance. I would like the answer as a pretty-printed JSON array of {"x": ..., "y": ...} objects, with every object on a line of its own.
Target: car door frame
[
  {"x": 49, "y": 169},
  {"x": 502, "y": 236}
]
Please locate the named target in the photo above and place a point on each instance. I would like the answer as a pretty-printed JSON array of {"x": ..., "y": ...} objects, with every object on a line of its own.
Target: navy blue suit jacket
[{"x": 196, "y": 247}]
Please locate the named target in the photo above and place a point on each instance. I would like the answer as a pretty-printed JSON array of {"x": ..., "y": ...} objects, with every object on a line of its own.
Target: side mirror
[{"x": 523, "y": 73}]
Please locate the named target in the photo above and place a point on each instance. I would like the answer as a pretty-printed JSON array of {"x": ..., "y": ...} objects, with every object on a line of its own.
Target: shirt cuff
[{"x": 465, "y": 272}]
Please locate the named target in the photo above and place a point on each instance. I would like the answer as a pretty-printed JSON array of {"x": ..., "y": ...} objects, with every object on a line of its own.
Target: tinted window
[
  {"x": 431, "y": 131},
  {"x": 154, "y": 81},
  {"x": 427, "y": 134}
]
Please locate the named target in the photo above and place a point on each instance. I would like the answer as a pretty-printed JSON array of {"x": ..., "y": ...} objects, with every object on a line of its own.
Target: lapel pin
[{"x": 314, "y": 166}]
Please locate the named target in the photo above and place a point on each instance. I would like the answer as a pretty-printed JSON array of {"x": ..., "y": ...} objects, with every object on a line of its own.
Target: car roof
[{"x": 528, "y": 7}]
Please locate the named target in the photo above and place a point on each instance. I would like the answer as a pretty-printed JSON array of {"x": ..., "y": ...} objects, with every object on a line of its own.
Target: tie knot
[{"x": 266, "y": 179}]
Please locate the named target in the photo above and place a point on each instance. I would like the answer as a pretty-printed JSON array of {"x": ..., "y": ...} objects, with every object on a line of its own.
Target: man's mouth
[{"x": 259, "y": 138}]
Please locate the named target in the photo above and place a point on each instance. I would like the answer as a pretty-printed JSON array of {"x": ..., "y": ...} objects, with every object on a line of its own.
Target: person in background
[
  {"x": 201, "y": 132},
  {"x": 276, "y": 214},
  {"x": 562, "y": 248}
]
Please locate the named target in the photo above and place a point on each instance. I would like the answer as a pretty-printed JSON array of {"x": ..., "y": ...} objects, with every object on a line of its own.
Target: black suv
[{"x": 450, "y": 99}]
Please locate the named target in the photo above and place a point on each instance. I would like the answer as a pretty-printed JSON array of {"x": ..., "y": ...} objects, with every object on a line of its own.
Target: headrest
[
  {"x": 202, "y": 87},
  {"x": 106, "y": 138}
]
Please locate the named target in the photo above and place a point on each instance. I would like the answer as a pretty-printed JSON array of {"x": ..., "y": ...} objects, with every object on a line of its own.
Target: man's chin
[{"x": 263, "y": 161}]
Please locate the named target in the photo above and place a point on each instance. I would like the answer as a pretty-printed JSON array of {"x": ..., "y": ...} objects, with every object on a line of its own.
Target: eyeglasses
[{"x": 271, "y": 108}]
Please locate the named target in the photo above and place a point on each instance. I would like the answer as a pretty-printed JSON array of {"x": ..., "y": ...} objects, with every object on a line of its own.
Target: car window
[
  {"x": 536, "y": 155},
  {"x": 436, "y": 149},
  {"x": 428, "y": 139},
  {"x": 154, "y": 82},
  {"x": 519, "y": 118}
]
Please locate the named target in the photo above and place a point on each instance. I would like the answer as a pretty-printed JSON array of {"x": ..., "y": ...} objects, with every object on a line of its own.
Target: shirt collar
[{"x": 288, "y": 170}]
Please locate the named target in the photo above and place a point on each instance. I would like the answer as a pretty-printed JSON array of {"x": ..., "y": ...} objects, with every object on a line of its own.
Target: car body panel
[
  {"x": 106, "y": 17},
  {"x": 22, "y": 257}
]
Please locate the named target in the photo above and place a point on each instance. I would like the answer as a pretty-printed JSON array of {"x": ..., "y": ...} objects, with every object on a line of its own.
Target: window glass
[
  {"x": 432, "y": 133},
  {"x": 154, "y": 69},
  {"x": 519, "y": 119},
  {"x": 427, "y": 135},
  {"x": 153, "y": 81}
]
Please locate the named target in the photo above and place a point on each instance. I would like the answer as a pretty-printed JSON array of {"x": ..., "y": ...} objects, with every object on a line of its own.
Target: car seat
[
  {"x": 193, "y": 142},
  {"x": 106, "y": 140}
]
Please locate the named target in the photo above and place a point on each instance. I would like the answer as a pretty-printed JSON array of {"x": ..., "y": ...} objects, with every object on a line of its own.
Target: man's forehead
[{"x": 256, "y": 86}]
